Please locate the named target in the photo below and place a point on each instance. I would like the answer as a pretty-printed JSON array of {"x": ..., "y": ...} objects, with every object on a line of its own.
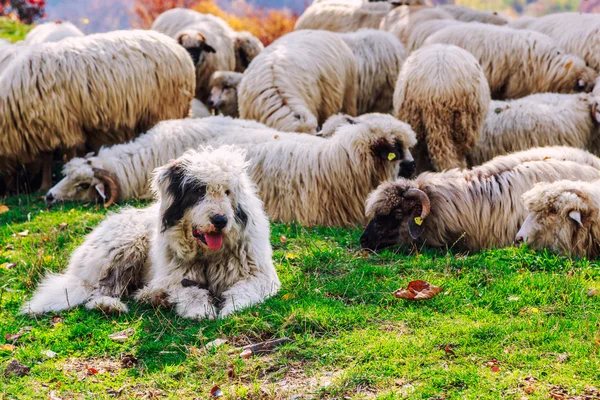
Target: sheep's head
[
  {"x": 562, "y": 216},
  {"x": 195, "y": 44},
  {"x": 576, "y": 78},
  {"x": 398, "y": 212},
  {"x": 247, "y": 47},
  {"x": 387, "y": 142},
  {"x": 223, "y": 93},
  {"x": 85, "y": 181}
]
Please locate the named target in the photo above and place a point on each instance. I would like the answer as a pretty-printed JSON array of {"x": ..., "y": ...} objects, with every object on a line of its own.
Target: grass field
[{"x": 519, "y": 324}]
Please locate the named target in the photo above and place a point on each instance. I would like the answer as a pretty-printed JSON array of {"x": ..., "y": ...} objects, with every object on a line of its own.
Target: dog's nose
[
  {"x": 219, "y": 221},
  {"x": 407, "y": 168}
]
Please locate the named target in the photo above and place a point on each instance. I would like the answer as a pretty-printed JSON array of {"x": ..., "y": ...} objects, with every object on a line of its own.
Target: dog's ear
[{"x": 208, "y": 48}]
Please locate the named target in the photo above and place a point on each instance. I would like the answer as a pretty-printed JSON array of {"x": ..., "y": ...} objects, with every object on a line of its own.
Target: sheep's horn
[
  {"x": 578, "y": 193},
  {"x": 422, "y": 196},
  {"x": 109, "y": 179}
]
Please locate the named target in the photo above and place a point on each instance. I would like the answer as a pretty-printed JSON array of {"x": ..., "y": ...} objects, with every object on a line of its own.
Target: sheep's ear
[
  {"x": 415, "y": 226},
  {"x": 576, "y": 216},
  {"x": 386, "y": 151},
  {"x": 208, "y": 48}
]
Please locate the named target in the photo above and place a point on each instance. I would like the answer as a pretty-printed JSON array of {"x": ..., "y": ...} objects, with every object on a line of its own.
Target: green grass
[
  {"x": 13, "y": 31},
  {"x": 352, "y": 339}
]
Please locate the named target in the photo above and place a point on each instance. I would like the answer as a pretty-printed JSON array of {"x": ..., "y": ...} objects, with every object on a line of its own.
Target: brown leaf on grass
[
  {"x": 15, "y": 368},
  {"x": 283, "y": 239},
  {"x": 24, "y": 233},
  {"x": 56, "y": 320},
  {"x": 264, "y": 347},
  {"x": 592, "y": 293},
  {"x": 3, "y": 209},
  {"x": 16, "y": 336},
  {"x": 91, "y": 370},
  {"x": 231, "y": 371},
  {"x": 63, "y": 225},
  {"x": 7, "y": 347},
  {"x": 122, "y": 336},
  {"x": 216, "y": 391},
  {"x": 128, "y": 361},
  {"x": 562, "y": 357},
  {"x": 448, "y": 349},
  {"x": 418, "y": 290},
  {"x": 495, "y": 368}
]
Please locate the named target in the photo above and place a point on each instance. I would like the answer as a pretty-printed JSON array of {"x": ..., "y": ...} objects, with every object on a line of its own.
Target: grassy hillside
[{"x": 509, "y": 323}]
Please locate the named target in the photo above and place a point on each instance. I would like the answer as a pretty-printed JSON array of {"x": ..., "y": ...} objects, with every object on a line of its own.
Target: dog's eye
[
  {"x": 84, "y": 185},
  {"x": 227, "y": 192}
]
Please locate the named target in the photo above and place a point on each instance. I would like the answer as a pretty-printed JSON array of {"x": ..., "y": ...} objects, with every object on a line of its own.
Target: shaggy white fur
[
  {"x": 467, "y": 14},
  {"x": 563, "y": 216},
  {"x": 203, "y": 248},
  {"x": 444, "y": 96},
  {"x": 212, "y": 43},
  {"x": 471, "y": 209},
  {"x": 199, "y": 110},
  {"x": 521, "y": 22},
  {"x": 343, "y": 15},
  {"x": 546, "y": 119},
  {"x": 96, "y": 90},
  {"x": 403, "y": 20},
  {"x": 300, "y": 80},
  {"x": 425, "y": 29},
  {"x": 519, "y": 62},
  {"x": 52, "y": 32},
  {"x": 303, "y": 178},
  {"x": 577, "y": 33}
]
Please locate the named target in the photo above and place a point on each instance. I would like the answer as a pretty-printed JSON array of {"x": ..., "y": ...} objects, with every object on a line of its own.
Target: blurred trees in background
[
  {"x": 266, "y": 24},
  {"x": 26, "y": 11}
]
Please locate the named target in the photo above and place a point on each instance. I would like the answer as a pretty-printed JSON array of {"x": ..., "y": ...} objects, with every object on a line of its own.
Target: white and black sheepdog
[{"x": 203, "y": 247}]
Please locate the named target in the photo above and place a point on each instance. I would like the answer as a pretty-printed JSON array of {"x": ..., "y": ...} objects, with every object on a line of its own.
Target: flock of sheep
[{"x": 399, "y": 117}]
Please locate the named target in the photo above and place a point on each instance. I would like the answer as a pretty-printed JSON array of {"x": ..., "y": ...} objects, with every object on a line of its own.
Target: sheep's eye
[
  {"x": 227, "y": 192},
  {"x": 552, "y": 211},
  {"x": 84, "y": 185},
  {"x": 580, "y": 85}
]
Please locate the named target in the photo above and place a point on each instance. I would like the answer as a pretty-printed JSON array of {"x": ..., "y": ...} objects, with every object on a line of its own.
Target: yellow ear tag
[
  {"x": 391, "y": 156},
  {"x": 418, "y": 221}
]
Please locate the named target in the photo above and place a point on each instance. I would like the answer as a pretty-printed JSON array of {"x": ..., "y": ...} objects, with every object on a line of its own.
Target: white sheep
[
  {"x": 545, "y": 119},
  {"x": 198, "y": 109},
  {"x": 521, "y": 22},
  {"x": 95, "y": 90},
  {"x": 577, "y": 33},
  {"x": 402, "y": 20},
  {"x": 469, "y": 210},
  {"x": 379, "y": 56},
  {"x": 303, "y": 178},
  {"x": 519, "y": 62},
  {"x": 211, "y": 42},
  {"x": 300, "y": 80},
  {"x": 563, "y": 216},
  {"x": 52, "y": 32},
  {"x": 223, "y": 93},
  {"x": 342, "y": 15},
  {"x": 425, "y": 29},
  {"x": 467, "y": 14},
  {"x": 443, "y": 94}
]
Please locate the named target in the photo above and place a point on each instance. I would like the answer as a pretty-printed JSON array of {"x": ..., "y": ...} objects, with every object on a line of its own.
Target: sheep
[
  {"x": 443, "y": 94},
  {"x": 95, "y": 90},
  {"x": 300, "y": 80},
  {"x": 472, "y": 209},
  {"x": 379, "y": 56},
  {"x": 544, "y": 119},
  {"x": 303, "y": 178},
  {"x": 401, "y": 21},
  {"x": 425, "y": 29},
  {"x": 211, "y": 42},
  {"x": 223, "y": 93},
  {"x": 577, "y": 33},
  {"x": 342, "y": 15},
  {"x": 521, "y": 22},
  {"x": 563, "y": 216},
  {"x": 519, "y": 62},
  {"x": 467, "y": 14},
  {"x": 52, "y": 32}
]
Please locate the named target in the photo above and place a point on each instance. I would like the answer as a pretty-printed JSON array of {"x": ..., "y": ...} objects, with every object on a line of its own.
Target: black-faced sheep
[
  {"x": 95, "y": 90},
  {"x": 444, "y": 96},
  {"x": 343, "y": 15},
  {"x": 223, "y": 93},
  {"x": 471, "y": 209},
  {"x": 303, "y": 178},
  {"x": 211, "y": 42},
  {"x": 545, "y": 119},
  {"x": 563, "y": 216},
  {"x": 519, "y": 62}
]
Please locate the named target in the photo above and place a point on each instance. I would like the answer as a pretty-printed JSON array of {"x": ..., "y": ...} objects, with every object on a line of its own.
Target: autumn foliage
[{"x": 266, "y": 24}]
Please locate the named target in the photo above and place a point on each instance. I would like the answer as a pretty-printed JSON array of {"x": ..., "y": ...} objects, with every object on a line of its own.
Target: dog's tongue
[{"x": 214, "y": 240}]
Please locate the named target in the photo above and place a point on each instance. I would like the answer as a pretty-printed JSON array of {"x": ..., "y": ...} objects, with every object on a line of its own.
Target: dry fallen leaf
[
  {"x": 283, "y": 239},
  {"x": 230, "y": 371},
  {"x": 288, "y": 296},
  {"x": 246, "y": 353},
  {"x": 15, "y": 368},
  {"x": 214, "y": 344},
  {"x": 63, "y": 225},
  {"x": 49, "y": 353},
  {"x": 7, "y": 347},
  {"x": 216, "y": 391},
  {"x": 91, "y": 370},
  {"x": 495, "y": 368},
  {"x": 448, "y": 349},
  {"x": 128, "y": 361},
  {"x": 3, "y": 209},
  {"x": 56, "y": 320},
  {"x": 418, "y": 290},
  {"x": 24, "y": 233},
  {"x": 122, "y": 336},
  {"x": 592, "y": 293}
]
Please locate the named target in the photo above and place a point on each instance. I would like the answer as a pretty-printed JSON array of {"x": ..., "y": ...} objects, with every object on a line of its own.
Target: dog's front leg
[
  {"x": 192, "y": 302},
  {"x": 247, "y": 292}
]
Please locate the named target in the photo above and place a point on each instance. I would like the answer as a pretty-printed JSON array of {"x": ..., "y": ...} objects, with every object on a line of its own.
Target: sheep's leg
[
  {"x": 246, "y": 293},
  {"x": 46, "y": 172}
]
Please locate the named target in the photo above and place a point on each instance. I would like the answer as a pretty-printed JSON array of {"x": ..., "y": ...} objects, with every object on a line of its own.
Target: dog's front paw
[
  {"x": 196, "y": 310},
  {"x": 152, "y": 295},
  {"x": 106, "y": 304}
]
